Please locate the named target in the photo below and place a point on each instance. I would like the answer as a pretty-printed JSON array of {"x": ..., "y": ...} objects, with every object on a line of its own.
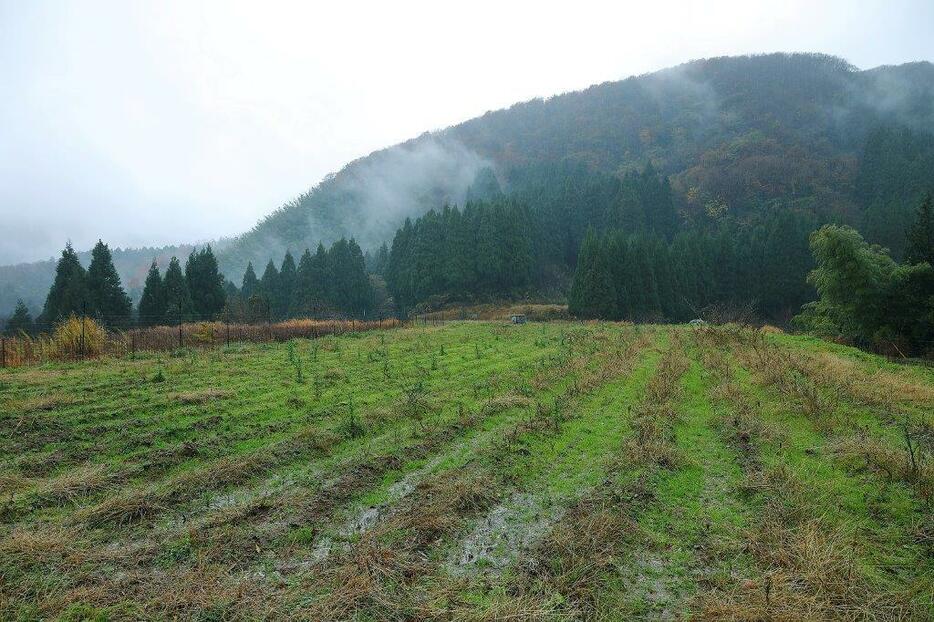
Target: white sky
[{"x": 147, "y": 123}]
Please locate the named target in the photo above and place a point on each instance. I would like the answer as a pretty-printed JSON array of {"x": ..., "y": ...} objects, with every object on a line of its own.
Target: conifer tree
[
  {"x": 268, "y": 288},
  {"x": 152, "y": 304},
  {"x": 249, "y": 284},
  {"x": 381, "y": 259},
  {"x": 920, "y": 245},
  {"x": 307, "y": 295},
  {"x": 178, "y": 305},
  {"x": 205, "y": 284},
  {"x": 106, "y": 297},
  {"x": 361, "y": 297},
  {"x": 282, "y": 298},
  {"x": 68, "y": 294},
  {"x": 321, "y": 280},
  {"x": 20, "y": 321}
]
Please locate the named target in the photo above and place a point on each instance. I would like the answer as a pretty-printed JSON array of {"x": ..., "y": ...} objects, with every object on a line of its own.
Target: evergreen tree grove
[
  {"x": 205, "y": 284},
  {"x": 920, "y": 245}
]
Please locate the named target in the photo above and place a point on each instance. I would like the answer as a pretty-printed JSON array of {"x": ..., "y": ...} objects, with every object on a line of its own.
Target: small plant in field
[
  {"x": 296, "y": 362},
  {"x": 442, "y": 349},
  {"x": 386, "y": 373},
  {"x": 314, "y": 352},
  {"x": 298, "y": 371},
  {"x": 434, "y": 363},
  {"x": 319, "y": 385},
  {"x": 159, "y": 377},
  {"x": 351, "y": 427},
  {"x": 476, "y": 349}
]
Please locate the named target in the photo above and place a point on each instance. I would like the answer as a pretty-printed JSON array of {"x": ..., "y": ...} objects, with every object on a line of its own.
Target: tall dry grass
[{"x": 78, "y": 339}]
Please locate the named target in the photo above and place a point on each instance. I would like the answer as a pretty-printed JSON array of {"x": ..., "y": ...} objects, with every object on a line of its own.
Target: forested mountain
[
  {"x": 735, "y": 137},
  {"x": 718, "y": 144}
]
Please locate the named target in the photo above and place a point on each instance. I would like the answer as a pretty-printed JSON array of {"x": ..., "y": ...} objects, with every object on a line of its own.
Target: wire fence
[
  {"x": 88, "y": 337},
  {"x": 84, "y": 337}
]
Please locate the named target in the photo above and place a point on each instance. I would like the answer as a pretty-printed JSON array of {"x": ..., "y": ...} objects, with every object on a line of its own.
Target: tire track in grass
[
  {"x": 687, "y": 532},
  {"x": 574, "y": 572},
  {"x": 363, "y": 515},
  {"x": 393, "y": 570},
  {"x": 554, "y": 473}
]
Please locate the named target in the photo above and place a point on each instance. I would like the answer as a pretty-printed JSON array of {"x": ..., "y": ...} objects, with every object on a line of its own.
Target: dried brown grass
[
  {"x": 76, "y": 484},
  {"x": 652, "y": 441},
  {"x": 121, "y": 509},
  {"x": 810, "y": 567},
  {"x": 912, "y": 465}
]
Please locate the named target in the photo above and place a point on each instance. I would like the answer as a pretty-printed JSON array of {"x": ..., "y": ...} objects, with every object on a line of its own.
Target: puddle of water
[{"x": 511, "y": 527}]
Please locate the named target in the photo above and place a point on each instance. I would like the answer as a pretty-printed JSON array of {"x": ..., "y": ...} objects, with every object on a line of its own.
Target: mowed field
[{"x": 475, "y": 471}]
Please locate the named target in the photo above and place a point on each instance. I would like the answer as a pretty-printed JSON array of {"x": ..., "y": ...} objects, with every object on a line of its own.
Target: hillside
[
  {"x": 736, "y": 136},
  {"x": 743, "y": 131}
]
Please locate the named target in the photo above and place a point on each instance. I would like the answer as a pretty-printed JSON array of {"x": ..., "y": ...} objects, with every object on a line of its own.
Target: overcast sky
[{"x": 148, "y": 123}]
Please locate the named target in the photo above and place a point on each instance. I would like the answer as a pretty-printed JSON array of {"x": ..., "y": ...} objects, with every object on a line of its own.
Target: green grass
[{"x": 225, "y": 484}]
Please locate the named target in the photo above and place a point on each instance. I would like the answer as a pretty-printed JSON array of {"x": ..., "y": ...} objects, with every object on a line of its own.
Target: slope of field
[{"x": 472, "y": 471}]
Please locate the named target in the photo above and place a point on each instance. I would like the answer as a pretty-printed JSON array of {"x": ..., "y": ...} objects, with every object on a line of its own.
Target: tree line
[
  {"x": 642, "y": 277},
  {"x": 486, "y": 249},
  {"x": 329, "y": 282}
]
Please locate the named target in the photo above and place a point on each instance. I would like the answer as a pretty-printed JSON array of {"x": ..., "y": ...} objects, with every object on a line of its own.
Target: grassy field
[{"x": 475, "y": 471}]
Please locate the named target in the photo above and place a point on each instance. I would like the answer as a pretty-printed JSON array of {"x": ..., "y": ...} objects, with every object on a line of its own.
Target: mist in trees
[{"x": 20, "y": 321}]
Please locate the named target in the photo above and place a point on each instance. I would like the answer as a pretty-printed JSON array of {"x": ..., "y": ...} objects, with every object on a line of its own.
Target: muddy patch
[{"x": 510, "y": 528}]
